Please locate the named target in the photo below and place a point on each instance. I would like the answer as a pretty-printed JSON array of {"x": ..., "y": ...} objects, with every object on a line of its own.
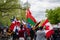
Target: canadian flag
[
  {"x": 48, "y": 28},
  {"x": 47, "y": 25}
]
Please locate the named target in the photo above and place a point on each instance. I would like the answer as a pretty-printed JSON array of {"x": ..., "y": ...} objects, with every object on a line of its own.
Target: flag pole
[{"x": 26, "y": 10}]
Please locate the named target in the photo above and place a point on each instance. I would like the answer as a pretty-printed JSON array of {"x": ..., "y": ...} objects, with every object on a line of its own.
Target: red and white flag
[
  {"x": 15, "y": 24},
  {"x": 47, "y": 25},
  {"x": 48, "y": 28}
]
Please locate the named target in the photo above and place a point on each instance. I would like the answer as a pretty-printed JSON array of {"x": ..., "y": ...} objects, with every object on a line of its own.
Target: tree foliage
[
  {"x": 53, "y": 15},
  {"x": 9, "y": 9}
]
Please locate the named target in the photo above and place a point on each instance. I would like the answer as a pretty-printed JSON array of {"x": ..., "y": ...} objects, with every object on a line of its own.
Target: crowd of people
[
  {"x": 23, "y": 34},
  {"x": 27, "y": 34}
]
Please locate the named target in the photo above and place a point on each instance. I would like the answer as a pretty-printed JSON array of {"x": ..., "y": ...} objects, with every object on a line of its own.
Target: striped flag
[{"x": 30, "y": 18}]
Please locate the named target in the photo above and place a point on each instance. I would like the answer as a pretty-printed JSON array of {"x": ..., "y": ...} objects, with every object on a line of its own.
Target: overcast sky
[{"x": 38, "y": 7}]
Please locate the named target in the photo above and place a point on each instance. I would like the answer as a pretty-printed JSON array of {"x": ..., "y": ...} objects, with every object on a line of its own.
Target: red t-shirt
[{"x": 21, "y": 33}]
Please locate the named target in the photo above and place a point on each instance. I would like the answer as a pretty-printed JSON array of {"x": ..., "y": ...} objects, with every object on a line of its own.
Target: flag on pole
[
  {"x": 48, "y": 28},
  {"x": 14, "y": 24},
  {"x": 47, "y": 24},
  {"x": 30, "y": 18},
  {"x": 46, "y": 21}
]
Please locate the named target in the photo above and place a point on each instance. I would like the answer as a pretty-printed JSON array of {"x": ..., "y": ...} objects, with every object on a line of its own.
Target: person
[
  {"x": 32, "y": 33},
  {"x": 0, "y": 32},
  {"x": 9, "y": 34},
  {"x": 4, "y": 30},
  {"x": 21, "y": 33},
  {"x": 56, "y": 35},
  {"x": 40, "y": 34},
  {"x": 28, "y": 34},
  {"x": 15, "y": 33},
  {"x": 14, "y": 36}
]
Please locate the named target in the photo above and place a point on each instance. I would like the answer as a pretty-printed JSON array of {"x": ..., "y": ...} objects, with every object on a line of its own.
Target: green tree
[
  {"x": 53, "y": 15},
  {"x": 8, "y": 9}
]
